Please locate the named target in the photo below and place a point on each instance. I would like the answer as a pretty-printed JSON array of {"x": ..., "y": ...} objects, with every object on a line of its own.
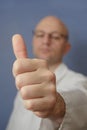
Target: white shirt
[{"x": 73, "y": 88}]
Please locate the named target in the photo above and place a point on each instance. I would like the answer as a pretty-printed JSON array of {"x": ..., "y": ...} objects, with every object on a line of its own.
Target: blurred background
[{"x": 21, "y": 16}]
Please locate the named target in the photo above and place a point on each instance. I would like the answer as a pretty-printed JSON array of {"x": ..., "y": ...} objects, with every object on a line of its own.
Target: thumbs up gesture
[{"x": 34, "y": 81}]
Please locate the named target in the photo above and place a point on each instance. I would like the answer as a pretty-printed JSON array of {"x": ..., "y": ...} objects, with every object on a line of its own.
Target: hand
[{"x": 36, "y": 83}]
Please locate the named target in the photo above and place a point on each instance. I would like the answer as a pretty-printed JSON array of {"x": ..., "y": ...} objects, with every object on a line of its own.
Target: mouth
[{"x": 45, "y": 49}]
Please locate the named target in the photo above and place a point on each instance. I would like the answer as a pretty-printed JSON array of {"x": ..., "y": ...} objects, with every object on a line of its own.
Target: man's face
[{"x": 49, "y": 41}]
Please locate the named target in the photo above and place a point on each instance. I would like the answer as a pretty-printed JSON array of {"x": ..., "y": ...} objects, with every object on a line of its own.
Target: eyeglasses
[{"x": 55, "y": 36}]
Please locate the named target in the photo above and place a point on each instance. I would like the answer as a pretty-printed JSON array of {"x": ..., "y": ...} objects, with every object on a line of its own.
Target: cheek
[
  {"x": 36, "y": 43},
  {"x": 58, "y": 50},
  {"x": 36, "y": 47}
]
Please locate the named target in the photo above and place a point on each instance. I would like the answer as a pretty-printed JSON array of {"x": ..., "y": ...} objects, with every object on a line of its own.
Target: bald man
[{"x": 50, "y": 96}]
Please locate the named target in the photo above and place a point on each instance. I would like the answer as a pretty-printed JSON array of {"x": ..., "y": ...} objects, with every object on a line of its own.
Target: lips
[{"x": 45, "y": 49}]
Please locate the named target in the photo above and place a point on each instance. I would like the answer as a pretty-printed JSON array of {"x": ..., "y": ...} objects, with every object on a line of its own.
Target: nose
[{"x": 47, "y": 39}]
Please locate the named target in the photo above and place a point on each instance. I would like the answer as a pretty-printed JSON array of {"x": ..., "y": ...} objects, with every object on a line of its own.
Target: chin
[{"x": 45, "y": 57}]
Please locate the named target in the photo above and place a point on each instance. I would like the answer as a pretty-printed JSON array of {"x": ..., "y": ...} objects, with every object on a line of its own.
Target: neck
[{"x": 52, "y": 67}]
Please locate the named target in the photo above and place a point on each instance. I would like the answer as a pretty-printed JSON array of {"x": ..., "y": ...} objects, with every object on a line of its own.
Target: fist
[{"x": 35, "y": 82}]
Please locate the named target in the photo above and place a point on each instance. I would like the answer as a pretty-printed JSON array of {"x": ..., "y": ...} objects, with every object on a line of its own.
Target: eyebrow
[
  {"x": 53, "y": 32},
  {"x": 45, "y": 32}
]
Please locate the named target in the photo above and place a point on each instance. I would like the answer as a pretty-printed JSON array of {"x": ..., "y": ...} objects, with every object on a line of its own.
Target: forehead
[{"x": 51, "y": 25}]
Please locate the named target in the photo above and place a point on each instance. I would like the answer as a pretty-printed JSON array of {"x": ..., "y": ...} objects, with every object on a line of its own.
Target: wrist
[{"x": 59, "y": 109}]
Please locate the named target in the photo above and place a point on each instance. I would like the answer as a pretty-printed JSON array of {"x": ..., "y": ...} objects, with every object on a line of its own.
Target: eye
[
  {"x": 55, "y": 37},
  {"x": 39, "y": 35}
]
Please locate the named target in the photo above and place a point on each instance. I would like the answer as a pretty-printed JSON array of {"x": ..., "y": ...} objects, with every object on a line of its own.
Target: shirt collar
[{"x": 60, "y": 71}]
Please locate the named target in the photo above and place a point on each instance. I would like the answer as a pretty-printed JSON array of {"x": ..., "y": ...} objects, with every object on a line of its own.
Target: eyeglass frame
[{"x": 50, "y": 34}]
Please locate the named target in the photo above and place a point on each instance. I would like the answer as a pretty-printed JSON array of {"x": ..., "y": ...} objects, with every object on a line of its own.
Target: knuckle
[
  {"x": 42, "y": 114},
  {"x": 23, "y": 93},
  {"x": 52, "y": 101},
  {"x": 29, "y": 105},
  {"x": 18, "y": 81},
  {"x": 52, "y": 89},
  {"x": 50, "y": 76},
  {"x": 17, "y": 67}
]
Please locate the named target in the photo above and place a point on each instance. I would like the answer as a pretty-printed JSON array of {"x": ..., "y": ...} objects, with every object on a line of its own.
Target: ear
[{"x": 67, "y": 48}]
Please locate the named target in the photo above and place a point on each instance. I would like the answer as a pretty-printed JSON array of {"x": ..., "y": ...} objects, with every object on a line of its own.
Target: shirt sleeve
[{"x": 75, "y": 98}]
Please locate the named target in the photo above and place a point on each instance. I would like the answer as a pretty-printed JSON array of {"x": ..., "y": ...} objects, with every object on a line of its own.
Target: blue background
[{"x": 20, "y": 16}]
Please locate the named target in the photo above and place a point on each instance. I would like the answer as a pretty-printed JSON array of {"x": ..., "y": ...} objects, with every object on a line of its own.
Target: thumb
[{"x": 19, "y": 47}]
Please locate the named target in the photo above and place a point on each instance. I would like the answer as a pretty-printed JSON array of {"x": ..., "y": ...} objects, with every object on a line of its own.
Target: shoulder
[
  {"x": 70, "y": 79},
  {"x": 63, "y": 71},
  {"x": 73, "y": 75}
]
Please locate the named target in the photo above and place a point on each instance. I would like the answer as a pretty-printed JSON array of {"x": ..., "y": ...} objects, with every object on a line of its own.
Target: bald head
[
  {"x": 54, "y": 23},
  {"x": 50, "y": 40}
]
